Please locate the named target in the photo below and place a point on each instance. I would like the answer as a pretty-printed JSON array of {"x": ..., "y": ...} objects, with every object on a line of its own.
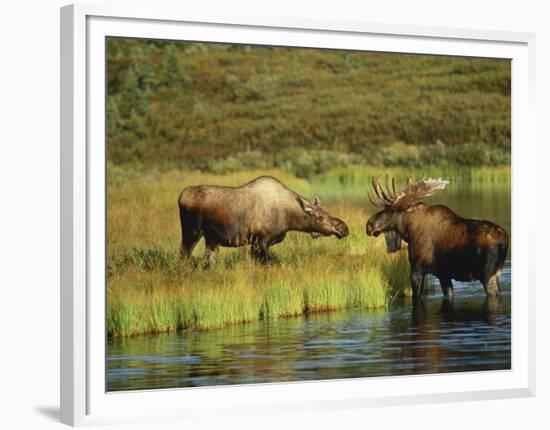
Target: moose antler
[
  {"x": 413, "y": 192},
  {"x": 384, "y": 198},
  {"x": 418, "y": 191}
]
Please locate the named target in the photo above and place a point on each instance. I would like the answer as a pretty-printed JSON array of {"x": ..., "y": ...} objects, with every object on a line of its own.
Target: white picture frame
[{"x": 84, "y": 400}]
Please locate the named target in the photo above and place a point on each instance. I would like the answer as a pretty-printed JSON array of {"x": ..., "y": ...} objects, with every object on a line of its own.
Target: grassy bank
[
  {"x": 151, "y": 290},
  {"x": 238, "y": 291}
]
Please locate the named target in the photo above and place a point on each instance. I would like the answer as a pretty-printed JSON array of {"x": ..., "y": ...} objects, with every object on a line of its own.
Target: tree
[
  {"x": 174, "y": 73},
  {"x": 132, "y": 97},
  {"x": 114, "y": 120},
  {"x": 147, "y": 77}
]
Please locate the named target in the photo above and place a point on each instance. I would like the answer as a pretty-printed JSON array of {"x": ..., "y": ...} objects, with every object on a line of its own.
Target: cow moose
[
  {"x": 439, "y": 241},
  {"x": 259, "y": 213}
]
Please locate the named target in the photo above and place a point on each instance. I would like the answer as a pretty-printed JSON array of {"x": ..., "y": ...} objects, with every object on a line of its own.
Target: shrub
[{"x": 260, "y": 86}]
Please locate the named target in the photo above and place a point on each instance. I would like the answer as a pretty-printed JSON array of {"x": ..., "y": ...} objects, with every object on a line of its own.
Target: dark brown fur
[
  {"x": 445, "y": 245},
  {"x": 259, "y": 214}
]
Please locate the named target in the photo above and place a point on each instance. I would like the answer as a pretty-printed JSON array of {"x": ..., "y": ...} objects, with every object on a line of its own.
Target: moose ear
[
  {"x": 317, "y": 201},
  {"x": 305, "y": 205}
]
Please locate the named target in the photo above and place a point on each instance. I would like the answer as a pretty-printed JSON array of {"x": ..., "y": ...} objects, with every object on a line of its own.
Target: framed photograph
[{"x": 267, "y": 214}]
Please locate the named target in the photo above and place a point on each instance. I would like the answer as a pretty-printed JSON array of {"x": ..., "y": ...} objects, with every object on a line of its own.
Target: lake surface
[{"x": 472, "y": 333}]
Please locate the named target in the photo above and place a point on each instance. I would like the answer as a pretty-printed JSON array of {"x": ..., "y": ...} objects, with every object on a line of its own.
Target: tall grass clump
[
  {"x": 124, "y": 316},
  {"x": 396, "y": 270},
  {"x": 369, "y": 289},
  {"x": 281, "y": 298}
]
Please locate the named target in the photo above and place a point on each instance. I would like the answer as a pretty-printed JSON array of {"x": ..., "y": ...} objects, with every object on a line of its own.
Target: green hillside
[{"x": 222, "y": 108}]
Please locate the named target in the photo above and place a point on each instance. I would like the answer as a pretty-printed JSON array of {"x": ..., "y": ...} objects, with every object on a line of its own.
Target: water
[{"x": 471, "y": 334}]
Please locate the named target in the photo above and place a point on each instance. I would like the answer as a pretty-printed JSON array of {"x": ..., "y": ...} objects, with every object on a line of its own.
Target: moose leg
[
  {"x": 447, "y": 287},
  {"x": 491, "y": 286},
  {"x": 260, "y": 251},
  {"x": 188, "y": 242},
  {"x": 190, "y": 233},
  {"x": 499, "y": 285},
  {"x": 417, "y": 284},
  {"x": 210, "y": 253},
  {"x": 490, "y": 279}
]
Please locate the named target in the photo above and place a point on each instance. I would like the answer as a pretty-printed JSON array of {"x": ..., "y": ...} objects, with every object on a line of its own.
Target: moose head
[
  {"x": 320, "y": 222},
  {"x": 393, "y": 205}
]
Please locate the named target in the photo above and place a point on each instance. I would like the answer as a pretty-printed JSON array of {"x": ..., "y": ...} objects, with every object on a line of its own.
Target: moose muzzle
[
  {"x": 341, "y": 230},
  {"x": 371, "y": 231}
]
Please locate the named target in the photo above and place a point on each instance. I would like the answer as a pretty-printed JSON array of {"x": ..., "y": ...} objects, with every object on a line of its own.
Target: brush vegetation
[{"x": 223, "y": 108}]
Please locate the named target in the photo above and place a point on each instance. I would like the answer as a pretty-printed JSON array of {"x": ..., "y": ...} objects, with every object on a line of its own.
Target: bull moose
[
  {"x": 258, "y": 213},
  {"x": 439, "y": 241}
]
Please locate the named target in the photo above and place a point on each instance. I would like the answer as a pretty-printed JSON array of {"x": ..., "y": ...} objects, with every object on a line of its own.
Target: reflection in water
[{"x": 471, "y": 333}]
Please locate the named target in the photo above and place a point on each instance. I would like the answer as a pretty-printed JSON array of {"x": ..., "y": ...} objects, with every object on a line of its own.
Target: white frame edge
[
  {"x": 74, "y": 195},
  {"x": 73, "y": 215}
]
